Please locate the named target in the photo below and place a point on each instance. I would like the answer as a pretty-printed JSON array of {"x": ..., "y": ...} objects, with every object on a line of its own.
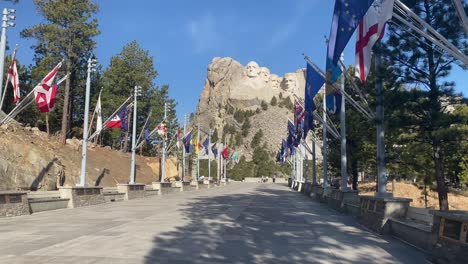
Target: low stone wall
[
  {"x": 82, "y": 196},
  {"x": 151, "y": 192},
  {"x": 13, "y": 203},
  {"x": 44, "y": 204},
  {"x": 416, "y": 234},
  {"x": 166, "y": 188},
  {"x": 188, "y": 186},
  {"x": 451, "y": 229},
  {"x": 114, "y": 197}
]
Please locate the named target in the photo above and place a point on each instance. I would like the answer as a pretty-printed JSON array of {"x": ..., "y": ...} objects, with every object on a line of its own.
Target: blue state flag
[
  {"x": 205, "y": 145},
  {"x": 314, "y": 81},
  {"x": 186, "y": 141},
  {"x": 214, "y": 149}
]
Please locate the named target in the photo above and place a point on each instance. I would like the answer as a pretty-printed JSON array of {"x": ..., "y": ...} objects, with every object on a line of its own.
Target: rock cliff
[{"x": 231, "y": 87}]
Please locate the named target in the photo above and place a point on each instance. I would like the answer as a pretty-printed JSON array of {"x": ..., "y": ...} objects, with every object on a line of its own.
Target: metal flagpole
[
  {"x": 91, "y": 67},
  {"x": 225, "y": 171},
  {"x": 314, "y": 165},
  {"x": 137, "y": 92},
  {"x": 382, "y": 179},
  {"x": 198, "y": 153},
  {"x": 163, "y": 163},
  {"x": 183, "y": 150},
  {"x": 344, "y": 173},
  {"x": 209, "y": 158},
  {"x": 6, "y": 18},
  {"x": 324, "y": 142}
]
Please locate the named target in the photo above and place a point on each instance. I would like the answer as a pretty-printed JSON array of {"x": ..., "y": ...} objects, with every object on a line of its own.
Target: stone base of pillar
[
  {"x": 337, "y": 198},
  {"x": 178, "y": 185},
  {"x": 82, "y": 196},
  {"x": 375, "y": 211},
  {"x": 14, "y": 203},
  {"x": 132, "y": 191}
]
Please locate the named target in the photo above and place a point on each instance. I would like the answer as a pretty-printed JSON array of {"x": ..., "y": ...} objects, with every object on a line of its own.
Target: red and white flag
[
  {"x": 45, "y": 92},
  {"x": 13, "y": 77},
  {"x": 370, "y": 30}
]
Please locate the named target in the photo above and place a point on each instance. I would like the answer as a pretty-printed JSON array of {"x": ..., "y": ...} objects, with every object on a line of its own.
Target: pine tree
[
  {"x": 67, "y": 34},
  {"x": 419, "y": 62}
]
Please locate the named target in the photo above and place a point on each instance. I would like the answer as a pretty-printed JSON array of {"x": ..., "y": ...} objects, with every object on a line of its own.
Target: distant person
[{"x": 274, "y": 178}]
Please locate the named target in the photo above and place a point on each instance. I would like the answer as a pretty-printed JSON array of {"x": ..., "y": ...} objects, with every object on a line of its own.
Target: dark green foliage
[
  {"x": 246, "y": 127},
  {"x": 256, "y": 141},
  {"x": 274, "y": 101},
  {"x": 214, "y": 137},
  {"x": 264, "y": 105}
]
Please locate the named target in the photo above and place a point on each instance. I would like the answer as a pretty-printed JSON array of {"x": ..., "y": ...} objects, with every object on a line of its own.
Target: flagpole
[
  {"x": 382, "y": 179},
  {"x": 13, "y": 57},
  {"x": 198, "y": 152},
  {"x": 163, "y": 164},
  {"x": 91, "y": 67},
  {"x": 344, "y": 173},
  {"x": 137, "y": 92},
  {"x": 225, "y": 172},
  {"x": 314, "y": 165},
  {"x": 209, "y": 158},
  {"x": 183, "y": 150},
  {"x": 324, "y": 142}
]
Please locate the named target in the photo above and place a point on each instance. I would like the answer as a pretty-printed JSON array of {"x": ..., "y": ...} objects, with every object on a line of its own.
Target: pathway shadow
[{"x": 272, "y": 225}]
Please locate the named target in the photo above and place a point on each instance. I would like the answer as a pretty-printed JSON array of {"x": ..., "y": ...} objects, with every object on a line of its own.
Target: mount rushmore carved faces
[
  {"x": 275, "y": 81},
  {"x": 265, "y": 74},
  {"x": 252, "y": 69},
  {"x": 290, "y": 82}
]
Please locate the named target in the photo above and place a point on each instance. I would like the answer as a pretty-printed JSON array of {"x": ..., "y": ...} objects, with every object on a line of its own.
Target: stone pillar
[
  {"x": 178, "y": 187},
  {"x": 132, "y": 191},
  {"x": 375, "y": 211},
  {"x": 157, "y": 187},
  {"x": 13, "y": 203},
  {"x": 82, "y": 196}
]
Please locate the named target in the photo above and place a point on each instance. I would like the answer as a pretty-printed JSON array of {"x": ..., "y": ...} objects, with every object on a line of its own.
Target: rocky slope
[
  {"x": 231, "y": 87},
  {"x": 30, "y": 160}
]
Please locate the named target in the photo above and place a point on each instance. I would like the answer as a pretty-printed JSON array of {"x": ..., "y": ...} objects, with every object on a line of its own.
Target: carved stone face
[
  {"x": 274, "y": 81},
  {"x": 290, "y": 81},
  {"x": 265, "y": 74},
  {"x": 252, "y": 69}
]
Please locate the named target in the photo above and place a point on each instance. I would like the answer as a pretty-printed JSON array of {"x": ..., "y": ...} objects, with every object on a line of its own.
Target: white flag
[
  {"x": 370, "y": 30},
  {"x": 98, "y": 113}
]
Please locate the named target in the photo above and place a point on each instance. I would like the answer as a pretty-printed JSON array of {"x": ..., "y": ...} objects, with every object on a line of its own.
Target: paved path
[{"x": 239, "y": 223}]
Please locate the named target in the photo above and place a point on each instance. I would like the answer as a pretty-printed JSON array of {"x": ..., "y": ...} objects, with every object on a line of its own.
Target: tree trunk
[
  {"x": 47, "y": 123},
  {"x": 66, "y": 107},
  {"x": 440, "y": 178},
  {"x": 125, "y": 147},
  {"x": 355, "y": 173}
]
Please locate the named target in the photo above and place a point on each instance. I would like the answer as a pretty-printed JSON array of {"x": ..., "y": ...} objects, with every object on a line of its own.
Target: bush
[
  {"x": 264, "y": 105},
  {"x": 246, "y": 127},
  {"x": 256, "y": 139},
  {"x": 273, "y": 101}
]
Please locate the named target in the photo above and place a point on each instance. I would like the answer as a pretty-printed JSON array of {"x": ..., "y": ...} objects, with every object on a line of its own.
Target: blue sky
[{"x": 184, "y": 36}]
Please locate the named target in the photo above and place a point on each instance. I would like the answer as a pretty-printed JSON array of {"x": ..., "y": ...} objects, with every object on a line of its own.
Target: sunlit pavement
[{"x": 238, "y": 223}]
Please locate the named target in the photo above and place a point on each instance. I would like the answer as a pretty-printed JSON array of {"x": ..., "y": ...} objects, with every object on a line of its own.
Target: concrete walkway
[{"x": 239, "y": 223}]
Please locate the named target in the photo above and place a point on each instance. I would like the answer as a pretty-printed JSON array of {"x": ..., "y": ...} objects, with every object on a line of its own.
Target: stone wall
[
  {"x": 82, "y": 196},
  {"x": 13, "y": 203}
]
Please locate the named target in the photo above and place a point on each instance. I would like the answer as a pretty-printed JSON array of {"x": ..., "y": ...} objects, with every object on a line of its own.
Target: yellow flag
[{"x": 197, "y": 148}]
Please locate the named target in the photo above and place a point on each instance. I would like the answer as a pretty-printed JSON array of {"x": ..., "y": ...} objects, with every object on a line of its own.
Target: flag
[
  {"x": 299, "y": 114},
  {"x": 370, "y": 30},
  {"x": 291, "y": 140},
  {"x": 177, "y": 137},
  {"x": 162, "y": 129},
  {"x": 225, "y": 152},
  {"x": 205, "y": 146},
  {"x": 186, "y": 140},
  {"x": 147, "y": 135},
  {"x": 45, "y": 92},
  {"x": 334, "y": 102},
  {"x": 346, "y": 17},
  {"x": 284, "y": 148},
  {"x": 314, "y": 81},
  {"x": 214, "y": 149},
  {"x": 235, "y": 157},
  {"x": 120, "y": 120},
  {"x": 97, "y": 110},
  {"x": 197, "y": 146},
  {"x": 13, "y": 77}
]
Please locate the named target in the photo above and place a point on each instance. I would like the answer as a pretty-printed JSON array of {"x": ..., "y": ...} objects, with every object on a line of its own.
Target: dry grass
[{"x": 409, "y": 190}]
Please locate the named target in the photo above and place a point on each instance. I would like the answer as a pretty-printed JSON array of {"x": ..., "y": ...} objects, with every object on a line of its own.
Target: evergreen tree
[
  {"x": 274, "y": 101},
  {"x": 417, "y": 61},
  {"x": 256, "y": 139},
  {"x": 67, "y": 34}
]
